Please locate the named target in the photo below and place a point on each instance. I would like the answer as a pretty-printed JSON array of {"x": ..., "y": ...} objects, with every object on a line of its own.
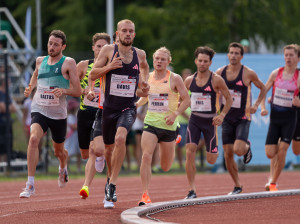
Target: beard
[
  {"x": 53, "y": 53},
  {"x": 126, "y": 42}
]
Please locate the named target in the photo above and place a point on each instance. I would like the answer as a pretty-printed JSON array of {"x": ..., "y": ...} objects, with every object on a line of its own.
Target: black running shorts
[
  {"x": 282, "y": 126},
  {"x": 58, "y": 128},
  {"x": 232, "y": 131},
  {"x": 97, "y": 128},
  {"x": 162, "y": 135},
  {"x": 297, "y": 130},
  {"x": 113, "y": 119},
  {"x": 198, "y": 125},
  {"x": 85, "y": 120}
]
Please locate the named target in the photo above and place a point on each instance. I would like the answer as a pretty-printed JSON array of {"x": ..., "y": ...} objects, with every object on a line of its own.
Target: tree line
[{"x": 180, "y": 25}]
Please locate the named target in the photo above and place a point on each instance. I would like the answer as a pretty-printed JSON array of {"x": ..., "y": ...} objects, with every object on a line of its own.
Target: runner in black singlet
[
  {"x": 125, "y": 68},
  {"x": 205, "y": 87},
  {"x": 235, "y": 127}
]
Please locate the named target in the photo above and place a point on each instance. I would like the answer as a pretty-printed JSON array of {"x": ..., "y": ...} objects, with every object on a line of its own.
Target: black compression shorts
[
  {"x": 113, "y": 119},
  {"x": 85, "y": 120},
  {"x": 58, "y": 128}
]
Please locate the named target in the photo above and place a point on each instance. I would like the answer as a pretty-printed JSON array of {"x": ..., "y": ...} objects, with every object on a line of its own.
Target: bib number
[
  {"x": 283, "y": 97},
  {"x": 45, "y": 97},
  {"x": 200, "y": 102},
  {"x": 122, "y": 85},
  {"x": 158, "y": 102}
]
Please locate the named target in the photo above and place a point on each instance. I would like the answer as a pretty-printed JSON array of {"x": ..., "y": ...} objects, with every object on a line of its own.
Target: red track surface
[{"x": 51, "y": 204}]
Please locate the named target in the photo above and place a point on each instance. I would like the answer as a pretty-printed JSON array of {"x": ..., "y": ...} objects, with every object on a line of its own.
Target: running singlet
[
  {"x": 284, "y": 91},
  {"x": 86, "y": 104},
  {"x": 44, "y": 101},
  {"x": 162, "y": 101},
  {"x": 241, "y": 97},
  {"x": 203, "y": 99},
  {"x": 121, "y": 84}
]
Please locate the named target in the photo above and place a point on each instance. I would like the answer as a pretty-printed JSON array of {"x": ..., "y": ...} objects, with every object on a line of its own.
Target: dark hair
[
  {"x": 205, "y": 50},
  {"x": 238, "y": 45},
  {"x": 114, "y": 37},
  {"x": 59, "y": 34},
  {"x": 101, "y": 36}
]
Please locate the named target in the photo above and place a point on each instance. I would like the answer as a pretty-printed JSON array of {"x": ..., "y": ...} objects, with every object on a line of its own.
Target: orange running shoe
[
  {"x": 273, "y": 187},
  {"x": 178, "y": 139},
  {"x": 145, "y": 199},
  {"x": 84, "y": 192}
]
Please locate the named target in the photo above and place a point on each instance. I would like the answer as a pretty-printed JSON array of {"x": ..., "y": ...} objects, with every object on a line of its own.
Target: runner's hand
[
  {"x": 58, "y": 92},
  {"x": 218, "y": 120},
  {"x": 91, "y": 95},
  {"x": 116, "y": 62},
  {"x": 27, "y": 91},
  {"x": 264, "y": 112}
]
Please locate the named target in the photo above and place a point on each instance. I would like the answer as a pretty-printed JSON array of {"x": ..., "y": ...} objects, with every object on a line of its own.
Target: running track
[{"x": 51, "y": 204}]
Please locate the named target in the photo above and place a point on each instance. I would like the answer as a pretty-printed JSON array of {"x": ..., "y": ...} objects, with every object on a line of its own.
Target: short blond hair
[
  {"x": 124, "y": 21},
  {"x": 165, "y": 50}
]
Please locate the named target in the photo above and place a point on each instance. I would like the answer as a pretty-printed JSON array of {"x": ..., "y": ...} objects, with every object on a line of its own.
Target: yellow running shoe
[
  {"x": 84, "y": 192},
  {"x": 145, "y": 199}
]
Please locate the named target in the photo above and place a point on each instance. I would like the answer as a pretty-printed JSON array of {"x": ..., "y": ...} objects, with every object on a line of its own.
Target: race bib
[
  {"x": 283, "y": 97},
  {"x": 201, "y": 102},
  {"x": 45, "y": 97},
  {"x": 121, "y": 85},
  {"x": 158, "y": 102},
  {"x": 95, "y": 101},
  {"x": 236, "y": 98}
]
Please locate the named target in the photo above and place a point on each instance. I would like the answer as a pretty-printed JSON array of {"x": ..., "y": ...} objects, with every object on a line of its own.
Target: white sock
[
  {"x": 31, "y": 180},
  {"x": 60, "y": 169}
]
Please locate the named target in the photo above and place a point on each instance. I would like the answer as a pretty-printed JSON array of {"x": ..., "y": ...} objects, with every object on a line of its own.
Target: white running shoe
[
  {"x": 108, "y": 204},
  {"x": 28, "y": 191},
  {"x": 99, "y": 164},
  {"x": 63, "y": 178}
]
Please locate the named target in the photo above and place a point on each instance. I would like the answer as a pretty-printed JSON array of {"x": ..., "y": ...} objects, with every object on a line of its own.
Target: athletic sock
[{"x": 31, "y": 180}]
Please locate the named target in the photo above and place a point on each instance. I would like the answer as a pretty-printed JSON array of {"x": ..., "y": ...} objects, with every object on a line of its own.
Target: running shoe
[
  {"x": 178, "y": 139},
  {"x": 111, "y": 193},
  {"x": 236, "y": 190},
  {"x": 108, "y": 204},
  {"x": 63, "y": 178},
  {"x": 84, "y": 192},
  {"x": 145, "y": 199},
  {"x": 273, "y": 187},
  {"x": 100, "y": 164},
  {"x": 267, "y": 186},
  {"x": 28, "y": 191},
  {"x": 248, "y": 155},
  {"x": 191, "y": 194}
]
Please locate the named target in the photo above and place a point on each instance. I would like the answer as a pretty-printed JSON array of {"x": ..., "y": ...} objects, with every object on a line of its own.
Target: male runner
[
  {"x": 55, "y": 77},
  {"x": 166, "y": 88},
  {"x": 236, "y": 124},
  {"x": 86, "y": 116},
  {"x": 205, "y": 87},
  {"x": 125, "y": 68}
]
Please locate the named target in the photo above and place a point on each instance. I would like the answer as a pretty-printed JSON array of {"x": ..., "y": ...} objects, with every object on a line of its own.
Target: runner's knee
[{"x": 84, "y": 153}]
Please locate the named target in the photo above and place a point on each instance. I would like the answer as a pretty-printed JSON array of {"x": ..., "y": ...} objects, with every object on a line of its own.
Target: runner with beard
[
  {"x": 125, "y": 68},
  {"x": 55, "y": 77}
]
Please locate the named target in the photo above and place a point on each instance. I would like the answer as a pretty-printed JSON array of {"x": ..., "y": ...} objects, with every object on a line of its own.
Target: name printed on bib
[
  {"x": 200, "y": 102},
  {"x": 45, "y": 97},
  {"x": 236, "y": 98},
  {"x": 122, "y": 85},
  {"x": 158, "y": 102},
  {"x": 95, "y": 101},
  {"x": 283, "y": 97}
]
